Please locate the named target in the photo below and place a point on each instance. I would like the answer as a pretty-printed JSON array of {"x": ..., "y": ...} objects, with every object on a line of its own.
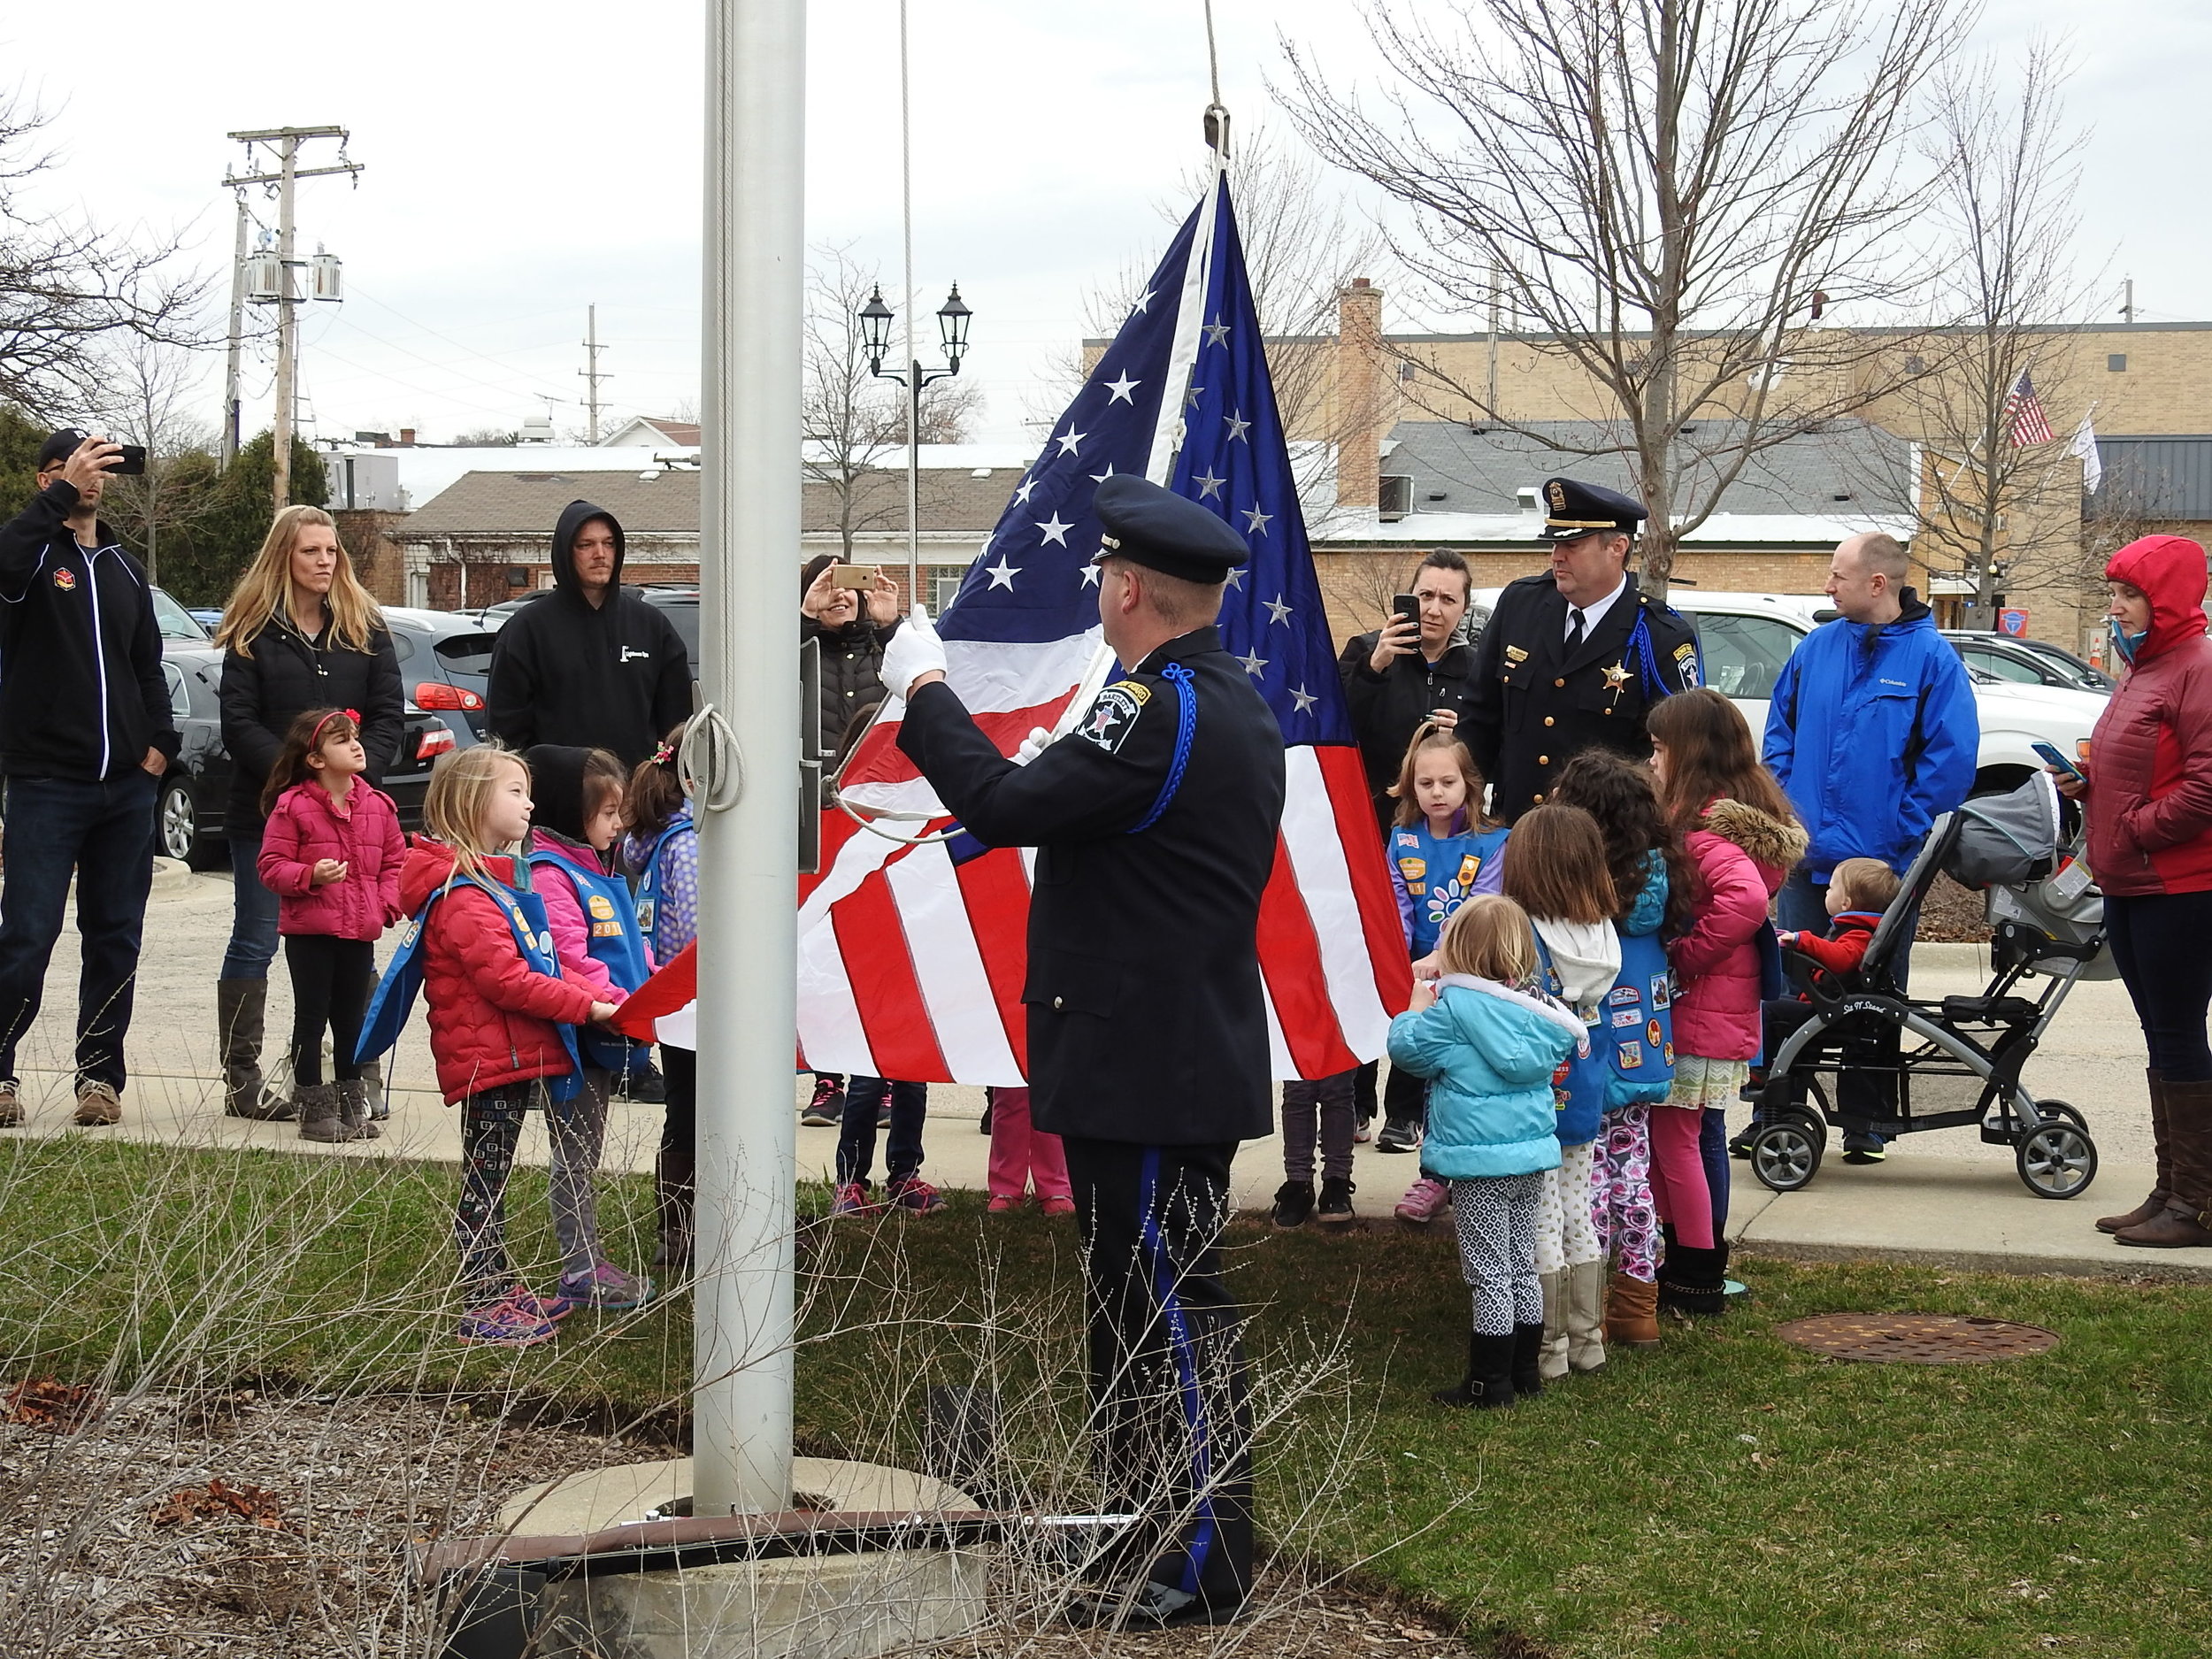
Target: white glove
[
  {"x": 1033, "y": 746},
  {"x": 915, "y": 651}
]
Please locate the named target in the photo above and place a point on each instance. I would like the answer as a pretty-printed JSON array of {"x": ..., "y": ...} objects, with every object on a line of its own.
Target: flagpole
[{"x": 750, "y": 416}]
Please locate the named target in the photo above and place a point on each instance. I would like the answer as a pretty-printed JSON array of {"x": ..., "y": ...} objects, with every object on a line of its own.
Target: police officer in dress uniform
[
  {"x": 1154, "y": 820},
  {"x": 1574, "y": 657}
]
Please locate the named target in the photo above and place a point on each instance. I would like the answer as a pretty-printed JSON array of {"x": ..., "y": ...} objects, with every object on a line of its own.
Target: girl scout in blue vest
[{"x": 577, "y": 818}]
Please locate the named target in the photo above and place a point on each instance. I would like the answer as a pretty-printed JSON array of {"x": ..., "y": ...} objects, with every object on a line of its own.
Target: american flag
[
  {"x": 911, "y": 958},
  {"x": 2024, "y": 415}
]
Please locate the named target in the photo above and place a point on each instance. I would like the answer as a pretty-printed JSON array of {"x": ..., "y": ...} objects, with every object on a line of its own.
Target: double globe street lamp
[{"x": 875, "y": 333}]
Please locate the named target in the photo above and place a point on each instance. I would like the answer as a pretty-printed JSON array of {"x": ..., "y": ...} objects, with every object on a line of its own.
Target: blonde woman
[{"x": 299, "y": 631}]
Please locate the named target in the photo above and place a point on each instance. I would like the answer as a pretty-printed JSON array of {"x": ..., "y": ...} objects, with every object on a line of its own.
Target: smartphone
[
  {"x": 133, "y": 462},
  {"x": 860, "y": 578},
  {"x": 2051, "y": 758},
  {"x": 1407, "y": 607}
]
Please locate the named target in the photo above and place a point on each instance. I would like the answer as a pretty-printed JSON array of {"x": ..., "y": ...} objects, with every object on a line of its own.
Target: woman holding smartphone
[{"x": 2147, "y": 798}]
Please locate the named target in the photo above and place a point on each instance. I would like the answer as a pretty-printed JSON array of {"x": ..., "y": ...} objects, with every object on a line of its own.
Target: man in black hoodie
[
  {"x": 589, "y": 664},
  {"x": 86, "y": 733}
]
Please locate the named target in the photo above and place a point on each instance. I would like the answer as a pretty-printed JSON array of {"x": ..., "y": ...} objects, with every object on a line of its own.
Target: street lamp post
[{"x": 952, "y": 331}]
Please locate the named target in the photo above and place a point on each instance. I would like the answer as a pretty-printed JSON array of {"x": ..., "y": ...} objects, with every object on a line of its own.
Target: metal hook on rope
[{"x": 709, "y": 761}]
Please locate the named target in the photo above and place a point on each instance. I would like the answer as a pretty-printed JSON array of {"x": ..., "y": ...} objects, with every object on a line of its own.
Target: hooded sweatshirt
[
  {"x": 2149, "y": 806},
  {"x": 611, "y": 676}
]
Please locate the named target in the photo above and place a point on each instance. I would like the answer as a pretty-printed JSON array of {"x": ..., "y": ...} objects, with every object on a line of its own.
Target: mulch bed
[{"x": 1952, "y": 916}]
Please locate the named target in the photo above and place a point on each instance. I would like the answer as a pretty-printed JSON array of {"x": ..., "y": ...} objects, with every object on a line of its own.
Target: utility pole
[
  {"x": 591, "y": 374},
  {"x": 237, "y": 329},
  {"x": 285, "y": 141}
]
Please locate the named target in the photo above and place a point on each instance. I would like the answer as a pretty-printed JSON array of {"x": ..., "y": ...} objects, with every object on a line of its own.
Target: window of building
[
  {"x": 2117, "y": 363},
  {"x": 1916, "y": 365}
]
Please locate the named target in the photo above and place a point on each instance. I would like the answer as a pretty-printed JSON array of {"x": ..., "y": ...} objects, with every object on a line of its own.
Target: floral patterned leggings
[{"x": 1621, "y": 1212}]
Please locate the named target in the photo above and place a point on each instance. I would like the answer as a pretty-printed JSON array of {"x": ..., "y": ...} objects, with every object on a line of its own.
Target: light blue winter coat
[
  {"x": 1873, "y": 732},
  {"x": 1491, "y": 1052}
]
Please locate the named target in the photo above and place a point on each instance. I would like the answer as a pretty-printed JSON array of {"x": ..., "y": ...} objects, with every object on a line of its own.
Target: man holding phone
[{"x": 86, "y": 732}]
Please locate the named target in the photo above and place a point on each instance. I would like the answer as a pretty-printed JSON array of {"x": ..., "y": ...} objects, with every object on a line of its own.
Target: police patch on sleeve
[
  {"x": 1110, "y": 721},
  {"x": 1686, "y": 665}
]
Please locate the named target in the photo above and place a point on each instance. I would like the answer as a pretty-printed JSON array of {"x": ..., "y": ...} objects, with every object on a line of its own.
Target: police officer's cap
[
  {"x": 1575, "y": 510},
  {"x": 1166, "y": 532},
  {"x": 59, "y": 448}
]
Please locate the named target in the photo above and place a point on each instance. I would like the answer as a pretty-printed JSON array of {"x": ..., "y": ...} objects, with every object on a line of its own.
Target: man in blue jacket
[{"x": 1873, "y": 732}]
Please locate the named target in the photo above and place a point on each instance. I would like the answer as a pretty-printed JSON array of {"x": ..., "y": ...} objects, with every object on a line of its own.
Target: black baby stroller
[{"x": 1912, "y": 1063}]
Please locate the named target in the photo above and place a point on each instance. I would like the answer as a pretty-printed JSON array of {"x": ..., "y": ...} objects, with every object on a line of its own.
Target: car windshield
[{"x": 176, "y": 623}]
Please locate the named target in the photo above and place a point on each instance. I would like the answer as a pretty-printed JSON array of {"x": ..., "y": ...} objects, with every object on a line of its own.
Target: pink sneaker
[
  {"x": 1002, "y": 1203},
  {"x": 852, "y": 1200},
  {"x": 516, "y": 1320},
  {"x": 911, "y": 1192},
  {"x": 1059, "y": 1206},
  {"x": 1424, "y": 1201}
]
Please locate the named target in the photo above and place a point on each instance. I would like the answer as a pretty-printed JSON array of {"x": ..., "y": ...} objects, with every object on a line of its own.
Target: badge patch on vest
[
  {"x": 1623, "y": 996},
  {"x": 1114, "y": 716},
  {"x": 1627, "y": 1017},
  {"x": 1662, "y": 991},
  {"x": 601, "y": 906},
  {"x": 1632, "y": 1056},
  {"x": 1669, "y": 1051},
  {"x": 66, "y": 579},
  {"x": 1468, "y": 866},
  {"x": 1416, "y": 872},
  {"x": 1651, "y": 1033}
]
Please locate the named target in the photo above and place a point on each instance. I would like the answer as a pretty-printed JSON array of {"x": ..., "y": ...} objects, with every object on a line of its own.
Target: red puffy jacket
[
  {"x": 306, "y": 827},
  {"x": 1742, "y": 857},
  {"x": 2150, "y": 804},
  {"x": 492, "y": 1015}
]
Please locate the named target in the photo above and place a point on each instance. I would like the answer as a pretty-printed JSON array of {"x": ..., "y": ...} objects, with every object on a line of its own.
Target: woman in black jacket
[{"x": 299, "y": 631}]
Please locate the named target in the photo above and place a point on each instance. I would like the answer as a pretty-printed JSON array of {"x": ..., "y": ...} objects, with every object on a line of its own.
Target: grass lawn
[{"x": 1725, "y": 1495}]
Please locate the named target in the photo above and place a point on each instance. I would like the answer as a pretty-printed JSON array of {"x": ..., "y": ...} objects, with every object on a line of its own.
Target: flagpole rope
[{"x": 1217, "y": 112}]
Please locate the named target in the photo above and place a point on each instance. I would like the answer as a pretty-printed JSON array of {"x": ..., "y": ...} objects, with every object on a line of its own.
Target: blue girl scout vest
[
  {"x": 1579, "y": 1081},
  {"x": 615, "y": 945},
  {"x": 1638, "y": 1015},
  {"x": 1439, "y": 874},
  {"x": 649, "y": 887},
  {"x": 402, "y": 983}
]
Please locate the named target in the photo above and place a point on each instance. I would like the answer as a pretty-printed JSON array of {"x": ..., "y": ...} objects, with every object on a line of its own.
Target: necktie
[{"x": 1574, "y": 631}]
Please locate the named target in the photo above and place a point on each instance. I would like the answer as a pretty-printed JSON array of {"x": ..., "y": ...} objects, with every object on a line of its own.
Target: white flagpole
[{"x": 749, "y": 542}]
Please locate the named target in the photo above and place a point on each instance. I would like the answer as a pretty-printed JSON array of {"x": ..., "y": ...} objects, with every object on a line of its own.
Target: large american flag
[
  {"x": 911, "y": 958},
  {"x": 2022, "y": 414}
]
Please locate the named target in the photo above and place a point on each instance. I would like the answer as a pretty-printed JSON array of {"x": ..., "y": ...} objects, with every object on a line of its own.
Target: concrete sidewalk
[{"x": 1942, "y": 1198}]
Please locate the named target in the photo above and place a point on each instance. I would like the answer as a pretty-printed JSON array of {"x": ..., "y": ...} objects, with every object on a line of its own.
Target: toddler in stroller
[{"x": 1948, "y": 1061}]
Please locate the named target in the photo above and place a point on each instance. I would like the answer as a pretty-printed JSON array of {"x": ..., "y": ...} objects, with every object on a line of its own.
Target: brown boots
[
  {"x": 238, "y": 1021},
  {"x": 1631, "y": 1312},
  {"x": 2178, "y": 1213}
]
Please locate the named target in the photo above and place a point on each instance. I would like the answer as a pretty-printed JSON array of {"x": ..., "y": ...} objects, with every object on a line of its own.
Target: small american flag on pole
[{"x": 2025, "y": 423}]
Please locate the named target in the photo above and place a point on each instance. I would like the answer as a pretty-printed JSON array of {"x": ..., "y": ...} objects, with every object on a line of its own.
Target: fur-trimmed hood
[{"x": 1767, "y": 839}]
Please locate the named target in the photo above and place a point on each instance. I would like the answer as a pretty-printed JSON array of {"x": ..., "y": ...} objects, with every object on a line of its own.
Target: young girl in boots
[
  {"x": 331, "y": 853},
  {"x": 1023, "y": 1157},
  {"x": 663, "y": 848},
  {"x": 575, "y": 822},
  {"x": 497, "y": 1002},
  {"x": 1742, "y": 840},
  {"x": 1442, "y": 851},
  {"x": 1651, "y": 885},
  {"x": 1555, "y": 870},
  {"x": 1488, "y": 1049}
]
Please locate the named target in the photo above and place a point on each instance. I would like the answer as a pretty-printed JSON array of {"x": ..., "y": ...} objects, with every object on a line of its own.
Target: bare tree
[
  {"x": 67, "y": 287},
  {"x": 1995, "y": 499},
  {"x": 151, "y": 388},
  {"x": 855, "y": 423},
  {"x": 1664, "y": 193}
]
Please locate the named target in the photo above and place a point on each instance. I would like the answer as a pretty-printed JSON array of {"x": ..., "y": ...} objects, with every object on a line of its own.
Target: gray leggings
[
  {"x": 491, "y": 1127},
  {"x": 1496, "y": 1217}
]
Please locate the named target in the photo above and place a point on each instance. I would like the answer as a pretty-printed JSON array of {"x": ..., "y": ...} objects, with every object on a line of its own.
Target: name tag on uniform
[{"x": 1515, "y": 655}]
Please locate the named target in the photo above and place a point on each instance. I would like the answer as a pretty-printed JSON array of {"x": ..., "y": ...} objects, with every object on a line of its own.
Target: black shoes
[
  {"x": 1692, "y": 1281},
  {"x": 1397, "y": 1137},
  {"x": 1528, "y": 1350},
  {"x": 1335, "y": 1208},
  {"x": 1155, "y": 1606},
  {"x": 1489, "y": 1381},
  {"x": 1293, "y": 1204}
]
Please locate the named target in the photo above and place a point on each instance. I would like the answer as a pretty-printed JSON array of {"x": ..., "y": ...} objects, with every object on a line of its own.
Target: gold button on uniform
[
  {"x": 1558, "y": 682},
  {"x": 1547, "y": 719},
  {"x": 1058, "y": 1004},
  {"x": 1543, "y": 760},
  {"x": 1537, "y": 799}
]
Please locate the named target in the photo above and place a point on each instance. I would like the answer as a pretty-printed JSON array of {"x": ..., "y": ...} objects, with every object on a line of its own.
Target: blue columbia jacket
[{"x": 1873, "y": 732}]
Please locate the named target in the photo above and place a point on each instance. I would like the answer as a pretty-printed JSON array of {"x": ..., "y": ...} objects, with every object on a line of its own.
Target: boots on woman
[
  {"x": 2186, "y": 1220},
  {"x": 353, "y": 1109},
  {"x": 1631, "y": 1312},
  {"x": 240, "y": 1006},
  {"x": 2162, "y": 1185},
  {"x": 1489, "y": 1382}
]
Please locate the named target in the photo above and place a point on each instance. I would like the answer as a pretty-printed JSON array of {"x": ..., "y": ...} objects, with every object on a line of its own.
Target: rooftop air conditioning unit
[
  {"x": 1528, "y": 499},
  {"x": 537, "y": 429},
  {"x": 1395, "y": 500}
]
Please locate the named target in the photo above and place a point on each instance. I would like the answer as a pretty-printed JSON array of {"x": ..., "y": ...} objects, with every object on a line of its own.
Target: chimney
[
  {"x": 1363, "y": 409},
  {"x": 406, "y": 437}
]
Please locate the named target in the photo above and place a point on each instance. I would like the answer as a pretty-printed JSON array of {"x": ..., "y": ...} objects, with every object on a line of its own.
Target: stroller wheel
[
  {"x": 2058, "y": 1161},
  {"x": 1786, "y": 1154}
]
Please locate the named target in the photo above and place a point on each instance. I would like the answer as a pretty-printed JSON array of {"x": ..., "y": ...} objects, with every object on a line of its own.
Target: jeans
[
  {"x": 56, "y": 825},
  {"x": 2158, "y": 944},
  {"x": 857, "y": 1134},
  {"x": 253, "y": 911}
]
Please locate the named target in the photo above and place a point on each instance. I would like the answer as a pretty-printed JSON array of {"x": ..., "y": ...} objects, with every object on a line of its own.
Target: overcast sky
[{"x": 525, "y": 162}]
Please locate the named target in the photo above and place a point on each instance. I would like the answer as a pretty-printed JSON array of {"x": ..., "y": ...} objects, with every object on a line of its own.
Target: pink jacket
[
  {"x": 307, "y": 826},
  {"x": 571, "y": 932},
  {"x": 1742, "y": 856}
]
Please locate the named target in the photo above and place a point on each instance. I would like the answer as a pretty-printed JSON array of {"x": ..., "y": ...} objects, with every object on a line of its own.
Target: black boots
[
  {"x": 2162, "y": 1186},
  {"x": 1528, "y": 1352},
  {"x": 1692, "y": 1280},
  {"x": 2184, "y": 1221},
  {"x": 1490, "y": 1367},
  {"x": 239, "y": 1005},
  {"x": 675, "y": 1194}
]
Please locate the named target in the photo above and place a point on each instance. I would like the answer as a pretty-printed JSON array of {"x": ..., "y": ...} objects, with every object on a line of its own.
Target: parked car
[
  {"x": 679, "y": 601},
  {"x": 2027, "y": 662},
  {"x": 444, "y": 660},
  {"x": 177, "y": 623},
  {"x": 189, "y": 818},
  {"x": 1744, "y": 639},
  {"x": 210, "y": 617}
]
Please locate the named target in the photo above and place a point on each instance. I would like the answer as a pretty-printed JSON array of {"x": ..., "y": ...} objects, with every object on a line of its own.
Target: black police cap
[
  {"x": 1575, "y": 510},
  {"x": 59, "y": 448},
  {"x": 1166, "y": 532}
]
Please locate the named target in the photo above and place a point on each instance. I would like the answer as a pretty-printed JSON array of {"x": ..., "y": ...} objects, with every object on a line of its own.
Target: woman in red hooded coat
[{"x": 2148, "y": 802}]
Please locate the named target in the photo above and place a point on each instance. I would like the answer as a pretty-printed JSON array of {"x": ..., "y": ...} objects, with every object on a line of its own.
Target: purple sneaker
[
  {"x": 606, "y": 1287},
  {"x": 911, "y": 1192},
  {"x": 516, "y": 1320},
  {"x": 852, "y": 1200}
]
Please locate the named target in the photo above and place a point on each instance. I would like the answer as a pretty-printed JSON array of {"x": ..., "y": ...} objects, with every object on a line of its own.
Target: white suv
[{"x": 1744, "y": 639}]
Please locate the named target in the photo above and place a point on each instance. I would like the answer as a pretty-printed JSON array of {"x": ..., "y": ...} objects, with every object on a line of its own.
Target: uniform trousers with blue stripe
[{"x": 1170, "y": 1431}]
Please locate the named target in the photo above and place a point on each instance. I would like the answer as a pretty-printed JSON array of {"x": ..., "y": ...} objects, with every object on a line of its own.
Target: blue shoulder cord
[
  {"x": 1646, "y": 659},
  {"x": 1186, "y": 728}
]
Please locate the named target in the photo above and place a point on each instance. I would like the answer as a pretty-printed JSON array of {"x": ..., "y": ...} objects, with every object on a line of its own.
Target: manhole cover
[{"x": 1915, "y": 1339}]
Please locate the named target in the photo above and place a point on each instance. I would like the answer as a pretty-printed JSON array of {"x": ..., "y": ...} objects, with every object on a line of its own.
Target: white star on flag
[
  {"x": 1100, "y": 477},
  {"x": 1236, "y": 577},
  {"x": 1067, "y": 441},
  {"x": 1121, "y": 388},
  {"x": 1209, "y": 485},
  {"x": 1022, "y": 489},
  {"x": 1003, "y": 574},
  {"x": 1253, "y": 663},
  {"x": 1216, "y": 333},
  {"x": 1054, "y": 531},
  {"x": 1257, "y": 521},
  {"x": 1143, "y": 300},
  {"x": 1304, "y": 698},
  {"x": 1277, "y": 611},
  {"x": 1238, "y": 427},
  {"x": 1090, "y": 576}
]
